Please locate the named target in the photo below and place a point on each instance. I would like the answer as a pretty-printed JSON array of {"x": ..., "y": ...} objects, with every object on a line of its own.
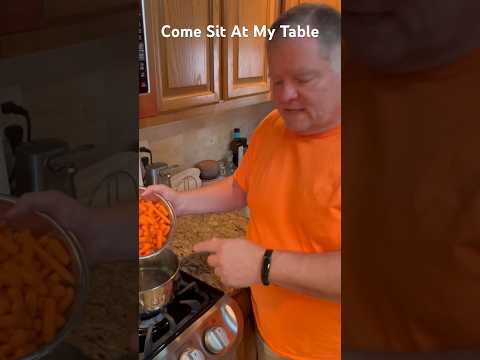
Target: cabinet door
[
  {"x": 18, "y": 16},
  {"x": 186, "y": 70},
  {"x": 287, "y": 4},
  {"x": 56, "y": 10},
  {"x": 245, "y": 66}
]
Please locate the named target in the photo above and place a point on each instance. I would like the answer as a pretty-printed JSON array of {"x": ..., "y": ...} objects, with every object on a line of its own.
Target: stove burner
[{"x": 192, "y": 299}]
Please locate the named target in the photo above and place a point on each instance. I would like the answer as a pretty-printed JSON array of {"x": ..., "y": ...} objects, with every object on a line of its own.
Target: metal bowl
[
  {"x": 173, "y": 221},
  {"x": 40, "y": 224}
]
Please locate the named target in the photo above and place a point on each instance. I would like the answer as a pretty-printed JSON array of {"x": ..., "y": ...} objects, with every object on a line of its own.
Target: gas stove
[{"x": 201, "y": 322}]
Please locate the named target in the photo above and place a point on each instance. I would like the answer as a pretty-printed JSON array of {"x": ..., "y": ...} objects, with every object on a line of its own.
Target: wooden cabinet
[
  {"x": 188, "y": 74},
  {"x": 55, "y": 10},
  {"x": 29, "y": 26},
  {"x": 287, "y": 4},
  {"x": 184, "y": 72},
  {"x": 245, "y": 64},
  {"x": 20, "y": 15}
]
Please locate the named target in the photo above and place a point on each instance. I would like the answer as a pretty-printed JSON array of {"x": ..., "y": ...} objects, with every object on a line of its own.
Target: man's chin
[{"x": 298, "y": 123}]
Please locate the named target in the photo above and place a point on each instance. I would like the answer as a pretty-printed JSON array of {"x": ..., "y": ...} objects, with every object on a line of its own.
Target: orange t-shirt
[
  {"x": 411, "y": 255},
  {"x": 293, "y": 193}
]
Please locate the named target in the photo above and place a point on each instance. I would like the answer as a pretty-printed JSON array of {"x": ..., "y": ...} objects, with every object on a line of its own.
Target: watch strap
[{"x": 267, "y": 263}]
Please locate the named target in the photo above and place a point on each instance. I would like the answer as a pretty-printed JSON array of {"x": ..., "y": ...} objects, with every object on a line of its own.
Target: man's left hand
[{"x": 237, "y": 262}]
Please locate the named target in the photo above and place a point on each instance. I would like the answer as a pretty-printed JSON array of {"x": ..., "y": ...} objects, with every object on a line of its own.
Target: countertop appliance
[
  {"x": 200, "y": 323},
  {"x": 31, "y": 170},
  {"x": 186, "y": 180}
]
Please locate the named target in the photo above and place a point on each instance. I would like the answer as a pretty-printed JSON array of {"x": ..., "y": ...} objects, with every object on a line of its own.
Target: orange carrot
[
  {"x": 154, "y": 226},
  {"x": 32, "y": 270},
  {"x": 50, "y": 261},
  {"x": 58, "y": 250}
]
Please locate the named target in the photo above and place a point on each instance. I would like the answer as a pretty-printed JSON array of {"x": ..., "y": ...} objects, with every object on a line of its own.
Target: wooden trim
[
  {"x": 92, "y": 15},
  {"x": 148, "y": 103},
  {"x": 21, "y": 16},
  {"x": 68, "y": 34},
  {"x": 197, "y": 112}
]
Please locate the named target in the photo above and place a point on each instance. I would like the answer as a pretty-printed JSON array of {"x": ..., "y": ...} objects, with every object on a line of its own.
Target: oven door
[{"x": 216, "y": 334}]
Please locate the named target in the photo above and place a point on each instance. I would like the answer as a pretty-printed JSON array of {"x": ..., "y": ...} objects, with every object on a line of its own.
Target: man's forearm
[
  {"x": 317, "y": 275},
  {"x": 224, "y": 195},
  {"x": 110, "y": 233}
]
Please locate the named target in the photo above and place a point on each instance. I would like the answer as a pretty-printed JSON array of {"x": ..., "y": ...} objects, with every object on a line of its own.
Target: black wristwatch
[{"x": 267, "y": 262}]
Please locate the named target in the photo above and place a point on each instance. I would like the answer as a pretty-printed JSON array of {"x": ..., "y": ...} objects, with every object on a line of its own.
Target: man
[
  {"x": 290, "y": 179},
  {"x": 411, "y": 245}
]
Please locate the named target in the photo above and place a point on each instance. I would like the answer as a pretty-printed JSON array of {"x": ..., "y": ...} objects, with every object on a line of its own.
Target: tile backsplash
[
  {"x": 83, "y": 94},
  {"x": 207, "y": 138},
  {"x": 73, "y": 93}
]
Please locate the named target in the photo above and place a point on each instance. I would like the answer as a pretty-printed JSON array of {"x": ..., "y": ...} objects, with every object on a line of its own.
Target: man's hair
[{"x": 324, "y": 18}]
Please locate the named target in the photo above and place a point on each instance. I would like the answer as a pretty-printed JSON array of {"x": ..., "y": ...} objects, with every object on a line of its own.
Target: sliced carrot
[
  {"x": 57, "y": 249},
  {"x": 154, "y": 226},
  {"x": 67, "y": 300},
  {"x": 54, "y": 264}
]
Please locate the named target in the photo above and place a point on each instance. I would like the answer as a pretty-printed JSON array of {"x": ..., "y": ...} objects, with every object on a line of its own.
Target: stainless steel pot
[{"x": 158, "y": 278}]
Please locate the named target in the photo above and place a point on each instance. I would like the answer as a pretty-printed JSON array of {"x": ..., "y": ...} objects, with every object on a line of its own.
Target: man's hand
[
  {"x": 166, "y": 192},
  {"x": 237, "y": 262},
  {"x": 66, "y": 211},
  {"x": 106, "y": 234},
  {"x": 59, "y": 206}
]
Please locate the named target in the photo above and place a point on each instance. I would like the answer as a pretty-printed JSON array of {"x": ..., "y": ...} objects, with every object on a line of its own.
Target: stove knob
[
  {"x": 192, "y": 354},
  {"x": 216, "y": 340}
]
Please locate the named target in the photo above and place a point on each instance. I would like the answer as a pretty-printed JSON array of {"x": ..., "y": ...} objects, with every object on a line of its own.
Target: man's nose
[{"x": 287, "y": 93}]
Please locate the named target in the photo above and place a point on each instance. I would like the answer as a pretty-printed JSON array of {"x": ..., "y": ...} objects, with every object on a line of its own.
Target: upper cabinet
[
  {"x": 287, "y": 4},
  {"x": 29, "y": 26},
  {"x": 245, "y": 64},
  {"x": 56, "y": 10},
  {"x": 185, "y": 72},
  {"x": 18, "y": 16}
]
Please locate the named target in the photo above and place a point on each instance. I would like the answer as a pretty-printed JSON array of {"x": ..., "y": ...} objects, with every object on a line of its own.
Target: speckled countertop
[
  {"x": 193, "y": 229},
  {"x": 110, "y": 316}
]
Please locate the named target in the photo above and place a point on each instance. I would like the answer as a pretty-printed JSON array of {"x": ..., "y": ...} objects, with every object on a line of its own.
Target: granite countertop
[
  {"x": 197, "y": 228},
  {"x": 109, "y": 322}
]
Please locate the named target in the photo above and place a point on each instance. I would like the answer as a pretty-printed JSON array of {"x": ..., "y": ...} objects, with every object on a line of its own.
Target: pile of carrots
[
  {"x": 36, "y": 291},
  {"x": 154, "y": 226}
]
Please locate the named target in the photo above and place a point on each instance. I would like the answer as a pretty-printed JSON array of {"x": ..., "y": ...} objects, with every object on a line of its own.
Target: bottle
[
  {"x": 242, "y": 149},
  {"x": 235, "y": 144},
  {"x": 228, "y": 160}
]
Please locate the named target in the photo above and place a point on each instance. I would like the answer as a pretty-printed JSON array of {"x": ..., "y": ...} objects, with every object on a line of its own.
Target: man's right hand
[
  {"x": 166, "y": 192},
  {"x": 66, "y": 211}
]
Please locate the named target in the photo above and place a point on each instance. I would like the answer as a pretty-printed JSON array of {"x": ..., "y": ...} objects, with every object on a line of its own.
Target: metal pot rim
[{"x": 172, "y": 277}]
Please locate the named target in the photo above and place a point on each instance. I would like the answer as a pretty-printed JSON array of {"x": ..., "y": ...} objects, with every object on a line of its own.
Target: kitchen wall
[
  {"x": 74, "y": 93},
  {"x": 84, "y": 94},
  {"x": 189, "y": 141}
]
